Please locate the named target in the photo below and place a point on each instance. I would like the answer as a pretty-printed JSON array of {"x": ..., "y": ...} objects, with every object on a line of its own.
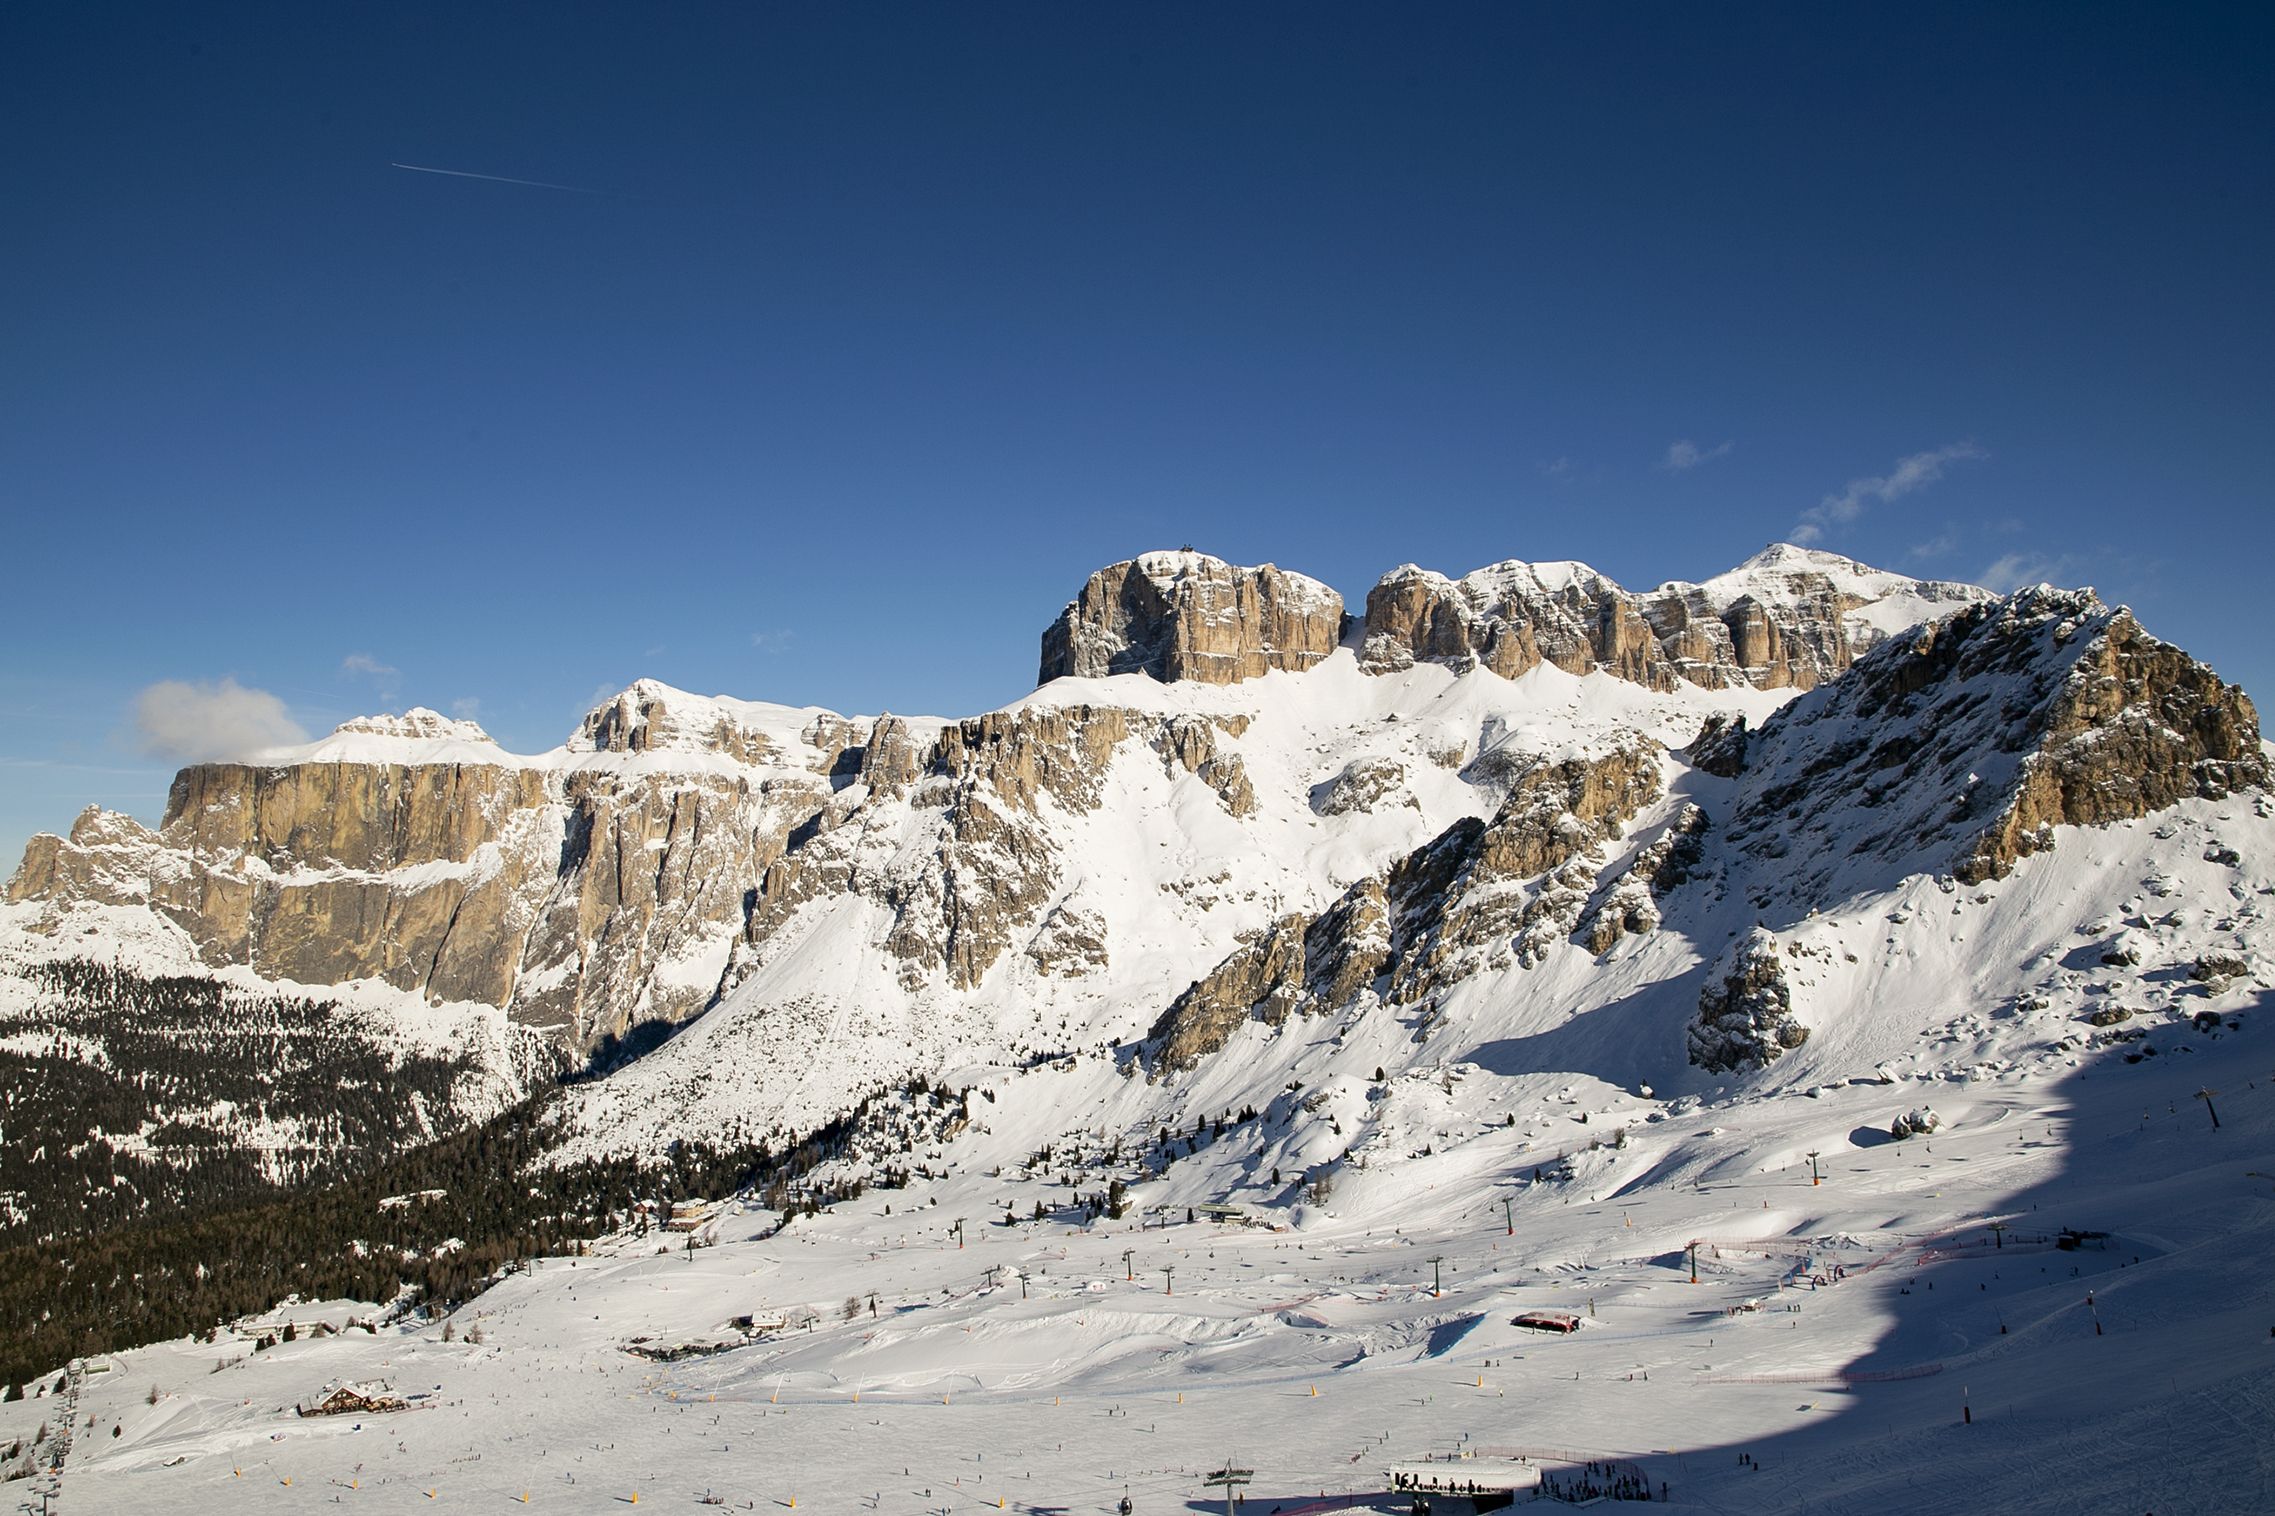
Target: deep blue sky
[{"x": 889, "y": 323}]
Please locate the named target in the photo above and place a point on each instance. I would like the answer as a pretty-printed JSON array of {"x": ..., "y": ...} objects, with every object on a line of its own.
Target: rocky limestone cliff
[
  {"x": 1185, "y": 615},
  {"x": 1958, "y": 746},
  {"x": 582, "y": 896},
  {"x": 1789, "y": 618},
  {"x": 1482, "y": 894},
  {"x": 974, "y": 870}
]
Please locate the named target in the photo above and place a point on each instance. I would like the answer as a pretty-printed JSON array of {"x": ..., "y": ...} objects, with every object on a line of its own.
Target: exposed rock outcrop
[
  {"x": 961, "y": 896},
  {"x": 1190, "y": 743},
  {"x": 1959, "y": 746},
  {"x": 583, "y": 896},
  {"x": 1070, "y": 943},
  {"x": 1481, "y": 894},
  {"x": 2137, "y": 726},
  {"x": 1185, "y": 615},
  {"x": 1366, "y": 785},
  {"x": 1919, "y": 1122},
  {"x": 1745, "y": 1015},
  {"x": 1720, "y": 746},
  {"x": 1788, "y": 618},
  {"x": 1630, "y": 907}
]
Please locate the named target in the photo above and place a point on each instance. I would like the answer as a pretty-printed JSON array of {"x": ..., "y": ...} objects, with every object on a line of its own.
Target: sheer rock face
[
  {"x": 1186, "y": 615},
  {"x": 1790, "y": 618},
  {"x": 1960, "y": 745},
  {"x": 1481, "y": 894},
  {"x": 580, "y": 899},
  {"x": 1745, "y": 1015}
]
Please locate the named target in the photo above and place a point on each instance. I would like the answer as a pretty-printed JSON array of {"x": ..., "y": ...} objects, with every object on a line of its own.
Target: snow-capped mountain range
[
  {"x": 1519, "y": 908},
  {"x": 1525, "y": 795}
]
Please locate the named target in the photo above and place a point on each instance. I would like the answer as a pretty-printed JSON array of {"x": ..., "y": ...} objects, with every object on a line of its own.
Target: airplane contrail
[{"x": 459, "y": 173}]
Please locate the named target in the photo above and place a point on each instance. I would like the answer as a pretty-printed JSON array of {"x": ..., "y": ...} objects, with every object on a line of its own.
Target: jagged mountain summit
[{"x": 1228, "y": 809}]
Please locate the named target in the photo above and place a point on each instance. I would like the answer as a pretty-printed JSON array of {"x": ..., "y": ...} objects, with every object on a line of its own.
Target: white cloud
[
  {"x": 466, "y": 708},
  {"x": 774, "y": 641},
  {"x": 1938, "y": 546},
  {"x": 2015, "y": 570},
  {"x": 200, "y": 722},
  {"x": 1915, "y": 472},
  {"x": 1558, "y": 469},
  {"x": 364, "y": 663},
  {"x": 1687, "y": 454}
]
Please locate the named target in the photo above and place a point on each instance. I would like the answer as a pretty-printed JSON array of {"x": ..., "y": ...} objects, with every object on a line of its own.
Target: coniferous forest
[
  {"x": 125, "y": 1096},
  {"x": 113, "y": 1243}
]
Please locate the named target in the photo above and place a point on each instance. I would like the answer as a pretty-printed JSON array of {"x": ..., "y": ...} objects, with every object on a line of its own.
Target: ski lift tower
[{"x": 1232, "y": 1479}]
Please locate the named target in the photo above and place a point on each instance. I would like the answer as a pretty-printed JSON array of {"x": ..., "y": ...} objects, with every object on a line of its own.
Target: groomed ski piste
[{"x": 1909, "y": 1329}]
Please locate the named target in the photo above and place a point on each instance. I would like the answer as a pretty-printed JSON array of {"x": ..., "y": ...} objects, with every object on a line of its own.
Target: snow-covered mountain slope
[
  {"x": 1098, "y": 845},
  {"x": 1537, "y": 975},
  {"x": 1598, "y": 873},
  {"x": 1453, "y": 861},
  {"x": 604, "y": 886},
  {"x": 2045, "y": 1302}
]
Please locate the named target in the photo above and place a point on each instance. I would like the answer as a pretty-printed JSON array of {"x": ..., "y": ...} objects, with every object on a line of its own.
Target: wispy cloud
[
  {"x": 384, "y": 675},
  {"x": 1557, "y": 469},
  {"x": 1686, "y": 454},
  {"x": 2015, "y": 570},
  {"x": 199, "y": 722},
  {"x": 1941, "y": 545},
  {"x": 775, "y": 641},
  {"x": 466, "y": 707},
  {"x": 1912, "y": 473}
]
